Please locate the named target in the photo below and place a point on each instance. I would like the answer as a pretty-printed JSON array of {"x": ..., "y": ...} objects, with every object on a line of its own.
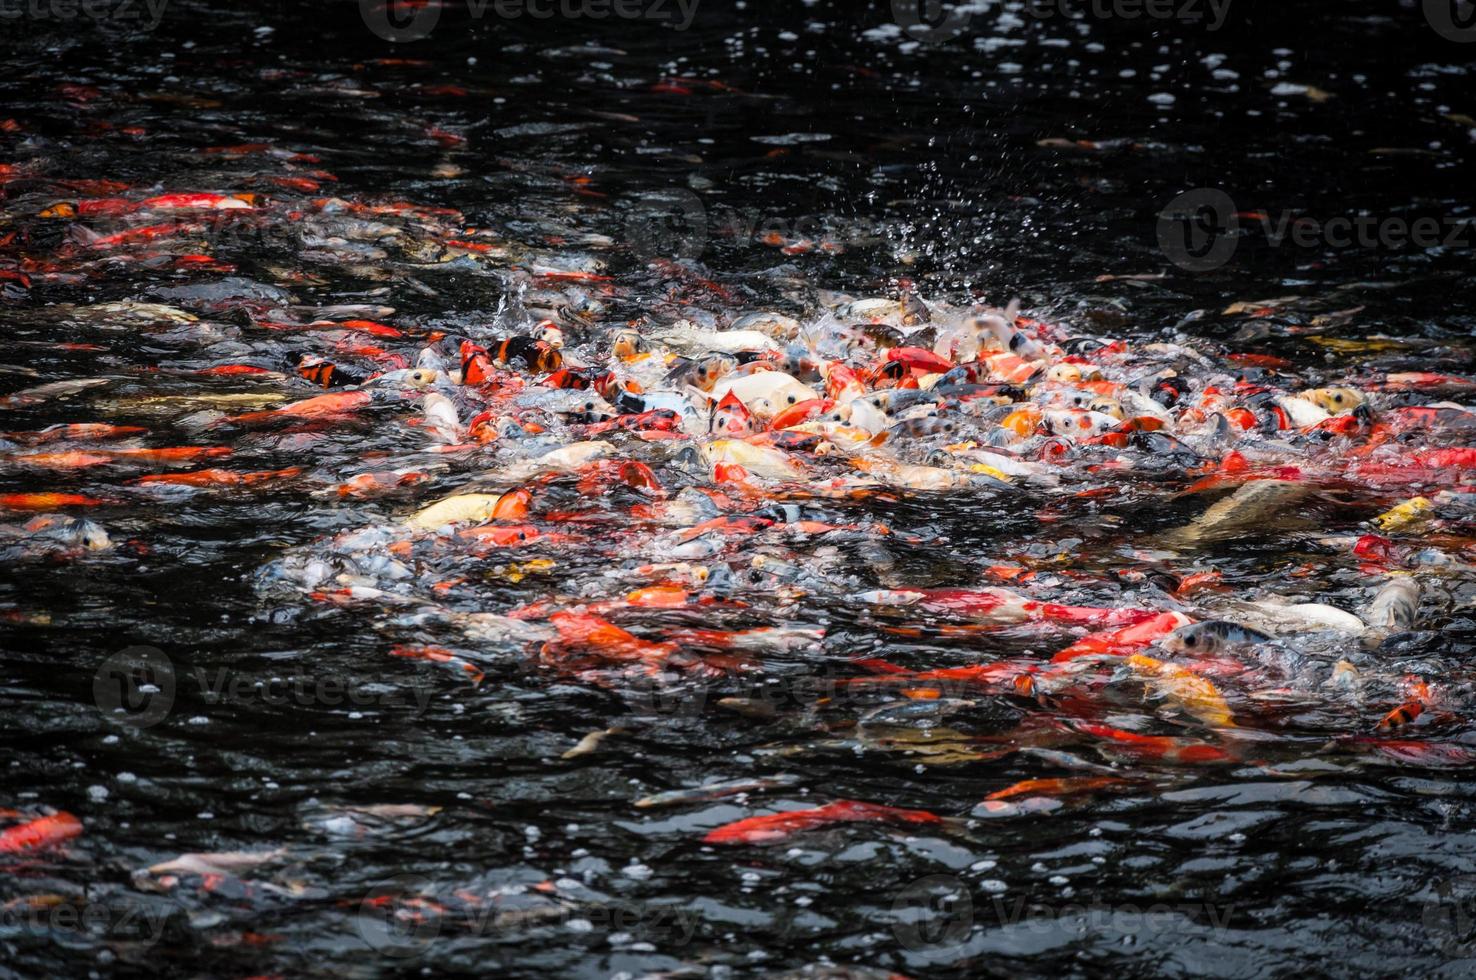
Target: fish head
[
  {"x": 627, "y": 345},
  {"x": 1196, "y": 638},
  {"x": 731, "y": 417},
  {"x": 89, "y": 534}
]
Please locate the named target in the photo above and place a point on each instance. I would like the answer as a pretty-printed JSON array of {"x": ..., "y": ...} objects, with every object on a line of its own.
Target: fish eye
[
  {"x": 1016, "y": 341},
  {"x": 791, "y": 399},
  {"x": 1190, "y": 640},
  {"x": 755, "y": 576},
  {"x": 1338, "y": 398}
]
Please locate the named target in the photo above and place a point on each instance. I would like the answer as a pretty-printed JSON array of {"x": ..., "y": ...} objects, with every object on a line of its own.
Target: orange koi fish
[
  {"x": 320, "y": 406},
  {"x": 1158, "y": 748},
  {"x": 218, "y": 478},
  {"x": 1067, "y": 786},
  {"x": 39, "y": 833},
  {"x": 46, "y": 501},
  {"x": 1128, "y": 640},
  {"x": 777, "y": 826}
]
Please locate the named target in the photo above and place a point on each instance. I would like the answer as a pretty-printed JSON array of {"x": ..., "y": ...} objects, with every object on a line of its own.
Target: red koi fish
[
  {"x": 1128, "y": 640},
  {"x": 438, "y": 655},
  {"x": 800, "y": 412},
  {"x": 39, "y": 833},
  {"x": 1410, "y": 752},
  {"x": 231, "y": 370},
  {"x": 777, "y": 826},
  {"x": 583, "y": 633},
  {"x": 730, "y": 417},
  {"x": 1067, "y": 786},
  {"x": 920, "y": 359},
  {"x": 1157, "y": 748},
  {"x": 199, "y": 202}
]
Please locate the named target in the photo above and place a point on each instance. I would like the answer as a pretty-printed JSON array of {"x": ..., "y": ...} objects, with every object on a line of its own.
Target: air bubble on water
[{"x": 994, "y": 886}]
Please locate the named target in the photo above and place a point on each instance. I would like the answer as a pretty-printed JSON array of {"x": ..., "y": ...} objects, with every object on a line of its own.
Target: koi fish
[
  {"x": 717, "y": 791},
  {"x": 218, "y": 477},
  {"x": 47, "y": 501},
  {"x": 1155, "y": 748},
  {"x": 40, "y": 833},
  {"x": 1125, "y": 641},
  {"x": 1191, "y": 692},
  {"x": 777, "y": 826},
  {"x": 321, "y": 406},
  {"x": 1067, "y": 786}
]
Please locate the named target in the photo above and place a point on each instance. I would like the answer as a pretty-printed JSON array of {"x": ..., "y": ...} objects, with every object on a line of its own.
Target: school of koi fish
[{"x": 1042, "y": 570}]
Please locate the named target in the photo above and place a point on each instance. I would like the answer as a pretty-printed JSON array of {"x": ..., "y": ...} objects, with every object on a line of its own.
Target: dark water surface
[{"x": 1023, "y": 158}]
